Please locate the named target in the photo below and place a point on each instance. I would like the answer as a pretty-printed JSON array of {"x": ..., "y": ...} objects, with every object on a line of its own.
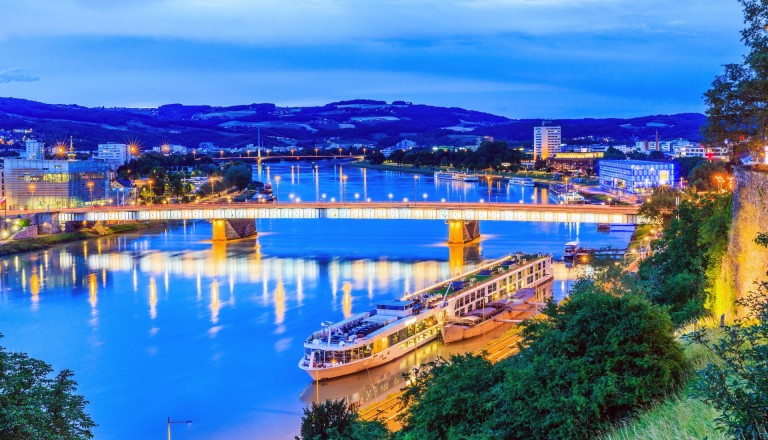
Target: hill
[{"x": 356, "y": 121}]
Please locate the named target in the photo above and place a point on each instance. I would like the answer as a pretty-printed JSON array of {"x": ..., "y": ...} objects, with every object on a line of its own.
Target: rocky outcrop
[{"x": 748, "y": 261}]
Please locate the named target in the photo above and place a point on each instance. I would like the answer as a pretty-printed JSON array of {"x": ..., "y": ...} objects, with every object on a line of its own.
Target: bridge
[{"x": 235, "y": 220}]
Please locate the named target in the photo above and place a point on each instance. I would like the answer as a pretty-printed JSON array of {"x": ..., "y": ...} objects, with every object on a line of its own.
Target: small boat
[
  {"x": 572, "y": 249},
  {"x": 456, "y": 176},
  {"x": 522, "y": 181}
]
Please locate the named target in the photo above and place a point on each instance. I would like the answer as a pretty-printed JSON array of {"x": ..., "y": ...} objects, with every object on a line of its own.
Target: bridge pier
[
  {"x": 224, "y": 230},
  {"x": 459, "y": 255},
  {"x": 463, "y": 231}
]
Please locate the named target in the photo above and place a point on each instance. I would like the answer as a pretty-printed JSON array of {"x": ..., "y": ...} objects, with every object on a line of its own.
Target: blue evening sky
[{"x": 517, "y": 58}]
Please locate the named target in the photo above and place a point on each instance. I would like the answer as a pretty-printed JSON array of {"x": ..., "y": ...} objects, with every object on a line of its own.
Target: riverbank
[
  {"x": 537, "y": 176},
  {"x": 47, "y": 241}
]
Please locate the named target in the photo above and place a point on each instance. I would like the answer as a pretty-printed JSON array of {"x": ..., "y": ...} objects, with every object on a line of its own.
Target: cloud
[
  {"x": 317, "y": 22},
  {"x": 16, "y": 75}
]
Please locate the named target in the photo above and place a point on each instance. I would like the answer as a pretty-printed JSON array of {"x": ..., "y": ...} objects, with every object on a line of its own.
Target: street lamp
[
  {"x": 415, "y": 179},
  {"x": 90, "y": 188},
  {"x": 390, "y": 197},
  {"x": 425, "y": 197},
  {"x": 151, "y": 192},
  {"x": 175, "y": 421}
]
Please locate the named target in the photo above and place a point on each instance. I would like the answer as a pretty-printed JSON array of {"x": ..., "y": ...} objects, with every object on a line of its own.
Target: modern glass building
[
  {"x": 634, "y": 177},
  {"x": 38, "y": 184}
]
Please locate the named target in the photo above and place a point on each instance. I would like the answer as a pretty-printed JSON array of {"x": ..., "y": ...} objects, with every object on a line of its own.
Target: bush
[
  {"x": 335, "y": 420},
  {"x": 591, "y": 361},
  {"x": 738, "y": 384},
  {"x": 449, "y": 399}
]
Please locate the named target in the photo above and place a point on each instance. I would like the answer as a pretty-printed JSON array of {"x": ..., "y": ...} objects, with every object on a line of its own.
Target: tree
[
  {"x": 589, "y": 362},
  {"x": 449, "y": 399},
  {"x": 661, "y": 205},
  {"x": 737, "y": 102},
  {"x": 738, "y": 385},
  {"x": 238, "y": 175},
  {"x": 682, "y": 272},
  {"x": 614, "y": 154},
  {"x": 335, "y": 420},
  {"x": 34, "y": 405}
]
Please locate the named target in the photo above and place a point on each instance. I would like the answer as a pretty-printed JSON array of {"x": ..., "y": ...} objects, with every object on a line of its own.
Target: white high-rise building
[
  {"x": 546, "y": 142},
  {"x": 114, "y": 153},
  {"x": 35, "y": 149}
]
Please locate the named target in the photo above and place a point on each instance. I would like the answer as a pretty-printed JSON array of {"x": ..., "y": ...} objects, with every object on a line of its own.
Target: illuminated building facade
[
  {"x": 546, "y": 142},
  {"x": 635, "y": 177},
  {"x": 40, "y": 184}
]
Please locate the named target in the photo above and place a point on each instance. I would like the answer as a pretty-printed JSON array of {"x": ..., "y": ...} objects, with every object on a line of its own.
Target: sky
[{"x": 516, "y": 58}]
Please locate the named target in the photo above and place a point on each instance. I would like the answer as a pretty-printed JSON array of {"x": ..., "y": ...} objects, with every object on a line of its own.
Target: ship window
[
  {"x": 469, "y": 308},
  {"x": 472, "y": 297},
  {"x": 530, "y": 280}
]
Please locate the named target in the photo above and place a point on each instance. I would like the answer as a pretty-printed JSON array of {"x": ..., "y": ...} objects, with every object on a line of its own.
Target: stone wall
[{"x": 748, "y": 261}]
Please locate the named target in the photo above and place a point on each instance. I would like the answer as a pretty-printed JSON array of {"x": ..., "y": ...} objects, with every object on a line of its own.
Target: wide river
[{"x": 167, "y": 324}]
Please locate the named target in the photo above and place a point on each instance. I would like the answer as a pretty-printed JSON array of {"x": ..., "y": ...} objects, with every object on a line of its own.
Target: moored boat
[
  {"x": 395, "y": 328},
  {"x": 524, "y": 304},
  {"x": 456, "y": 176},
  {"x": 523, "y": 181}
]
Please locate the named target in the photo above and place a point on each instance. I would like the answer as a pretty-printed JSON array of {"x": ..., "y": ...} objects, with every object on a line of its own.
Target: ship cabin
[
  {"x": 366, "y": 334},
  {"x": 481, "y": 291}
]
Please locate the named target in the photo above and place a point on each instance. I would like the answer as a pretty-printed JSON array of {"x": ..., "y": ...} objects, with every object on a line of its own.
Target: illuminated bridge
[{"x": 235, "y": 220}]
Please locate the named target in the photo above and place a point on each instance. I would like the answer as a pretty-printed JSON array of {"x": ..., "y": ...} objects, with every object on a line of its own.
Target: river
[{"x": 165, "y": 323}]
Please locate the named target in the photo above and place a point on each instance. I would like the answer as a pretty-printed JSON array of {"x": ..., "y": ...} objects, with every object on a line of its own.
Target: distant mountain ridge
[{"x": 354, "y": 121}]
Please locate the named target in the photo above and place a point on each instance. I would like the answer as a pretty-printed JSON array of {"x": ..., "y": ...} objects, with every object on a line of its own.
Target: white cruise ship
[
  {"x": 523, "y": 181},
  {"x": 456, "y": 176},
  {"x": 395, "y": 328}
]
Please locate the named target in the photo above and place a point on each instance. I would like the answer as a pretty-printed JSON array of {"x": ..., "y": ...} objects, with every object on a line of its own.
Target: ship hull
[{"x": 376, "y": 360}]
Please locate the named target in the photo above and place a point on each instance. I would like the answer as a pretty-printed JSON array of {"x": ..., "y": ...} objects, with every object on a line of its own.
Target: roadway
[{"x": 616, "y": 214}]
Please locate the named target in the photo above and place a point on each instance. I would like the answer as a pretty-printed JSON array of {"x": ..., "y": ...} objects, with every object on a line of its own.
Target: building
[
  {"x": 634, "y": 177},
  {"x": 35, "y": 184},
  {"x": 546, "y": 142},
  {"x": 35, "y": 149},
  {"x": 113, "y": 153},
  {"x": 576, "y": 160}
]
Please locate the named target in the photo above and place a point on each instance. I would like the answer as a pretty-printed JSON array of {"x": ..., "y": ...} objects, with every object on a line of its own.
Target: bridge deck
[{"x": 363, "y": 211}]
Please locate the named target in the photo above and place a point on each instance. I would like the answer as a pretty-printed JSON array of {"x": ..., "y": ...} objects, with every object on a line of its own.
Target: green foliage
[
  {"x": 591, "y": 361},
  {"x": 738, "y": 384},
  {"x": 588, "y": 363},
  {"x": 737, "y": 105},
  {"x": 681, "y": 273},
  {"x": 35, "y": 406},
  {"x": 449, "y": 399},
  {"x": 335, "y": 420},
  {"x": 488, "y": 154},
  {"x": 238, "y": 175},
  {"x": 614, "y": 154},
  {"x": 661, "y": 205}
]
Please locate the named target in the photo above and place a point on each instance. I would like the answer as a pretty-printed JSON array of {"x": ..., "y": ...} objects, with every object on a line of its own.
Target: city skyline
[{"x": 521, "y": 59}]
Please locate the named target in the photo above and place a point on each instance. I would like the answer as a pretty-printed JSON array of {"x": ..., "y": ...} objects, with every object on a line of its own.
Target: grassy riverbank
[
  {"x": 680, "y": 416},
  {"x": 46, "y": 241}
]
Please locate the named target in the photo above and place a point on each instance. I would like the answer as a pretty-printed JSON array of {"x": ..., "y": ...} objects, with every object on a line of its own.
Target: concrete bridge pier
[
  {"x": 463, "y": 231},
  {"x": 224, "y": 230}
]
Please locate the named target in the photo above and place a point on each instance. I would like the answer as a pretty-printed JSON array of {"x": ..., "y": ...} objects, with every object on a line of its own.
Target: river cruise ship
[
  {"x": 455, "y": 176},
  {"x": 522, "y": 181},
  {"x": 397, "y": 327}
]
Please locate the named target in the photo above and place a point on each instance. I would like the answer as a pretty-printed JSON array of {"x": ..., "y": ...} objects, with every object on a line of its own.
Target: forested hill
[{"x": 356, "y": 121}]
